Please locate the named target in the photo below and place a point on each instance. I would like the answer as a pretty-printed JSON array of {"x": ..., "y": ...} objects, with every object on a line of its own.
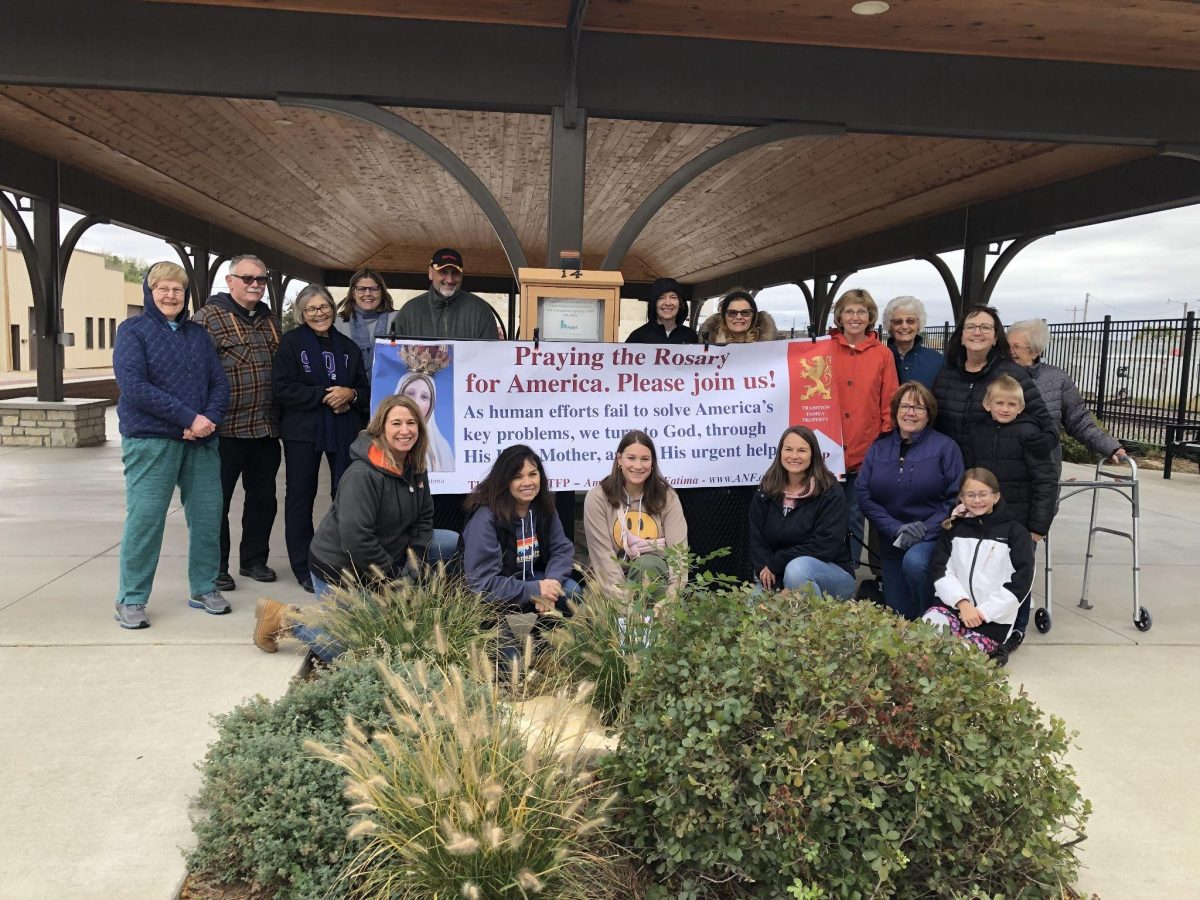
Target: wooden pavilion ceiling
[
  {"x": 339, "y": 193},
  {"x": 1153, "y": 33}
]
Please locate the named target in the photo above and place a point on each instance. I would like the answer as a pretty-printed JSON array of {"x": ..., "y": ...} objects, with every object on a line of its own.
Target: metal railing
[{"x": 1138, "y": 376}]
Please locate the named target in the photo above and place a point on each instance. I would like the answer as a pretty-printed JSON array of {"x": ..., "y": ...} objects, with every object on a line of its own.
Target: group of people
[
  {"x": 931, "y": 444},
  {"x": 222, "y": 395}
]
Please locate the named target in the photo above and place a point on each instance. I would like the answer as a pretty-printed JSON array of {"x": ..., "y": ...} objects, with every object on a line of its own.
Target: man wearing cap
[
  {"x": 665, "y": 317},
  {"x": 445, "y": 310}
]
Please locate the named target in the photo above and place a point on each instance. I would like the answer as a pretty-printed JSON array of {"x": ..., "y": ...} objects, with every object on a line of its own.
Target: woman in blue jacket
[
  {"x": 907, "y": 487},
  {"x": 798, "y": 521},
  {"x": 173, "y": 397},
  {"x": 515, "y": 552}
]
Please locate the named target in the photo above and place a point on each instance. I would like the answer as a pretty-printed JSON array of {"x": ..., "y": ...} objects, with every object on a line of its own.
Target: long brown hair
[
  {"x": 346, "y": 308},
  {"x": 775, "y": 479},
  {"x": 493, "y": 492},
  {"x": 984, "y": 477},
  {"x": 415, "y": 459},
  {"x": 656, "y": 491}
]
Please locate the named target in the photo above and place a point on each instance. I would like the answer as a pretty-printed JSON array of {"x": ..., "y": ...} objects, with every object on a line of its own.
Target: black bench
[{"x": 1184, "y": 439}]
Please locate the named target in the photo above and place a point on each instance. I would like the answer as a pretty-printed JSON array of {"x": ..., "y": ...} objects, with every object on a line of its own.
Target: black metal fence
[{"x": 1137, "y": 376}]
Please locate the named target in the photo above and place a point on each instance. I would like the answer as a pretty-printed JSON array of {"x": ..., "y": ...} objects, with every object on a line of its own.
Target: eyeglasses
[
  {"x": 976, "y": 495},
  {"x": 981, "y": 327},
  {"x": 360, "y": 289},
  {"x": 911, "y": 408},
  {"x": 311, "y": 310},
  {"x": 738, "y": 313},
  {"x": 169, "y": 292},
  {"x": 248, "y": 280},
  {"x": 907, "y": 320}
]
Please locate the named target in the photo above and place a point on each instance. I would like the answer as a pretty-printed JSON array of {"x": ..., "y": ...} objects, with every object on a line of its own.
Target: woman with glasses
[
  {"x": 904, "y": 318},
  {"x": 174, "y": 394},
  {"x": 864, "y": 378},
  {"x": 982, "y": 568},
  {"x": 976, "y": 354},
  {"x": 906, "y": 487},
  {"x": 738, "y": 321},
  {"x": 323, "y": 396},
  {"x": 365, "y": 313}
]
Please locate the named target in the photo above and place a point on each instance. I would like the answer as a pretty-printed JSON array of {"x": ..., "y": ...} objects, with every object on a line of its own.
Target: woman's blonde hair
[
  {"x": 166, "y": 271},
  {"x": 856, "y": 295}
]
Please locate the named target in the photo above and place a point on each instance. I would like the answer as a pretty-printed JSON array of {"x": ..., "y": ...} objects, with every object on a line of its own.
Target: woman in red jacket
[{"x": 864, "y": 375}]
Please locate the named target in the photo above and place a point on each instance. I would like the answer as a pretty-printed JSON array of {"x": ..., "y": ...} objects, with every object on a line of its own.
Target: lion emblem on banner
[{"x": 815, "y": 379}]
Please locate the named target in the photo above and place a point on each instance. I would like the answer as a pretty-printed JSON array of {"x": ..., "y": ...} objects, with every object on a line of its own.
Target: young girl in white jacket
[{"x": 982, "y": 568}]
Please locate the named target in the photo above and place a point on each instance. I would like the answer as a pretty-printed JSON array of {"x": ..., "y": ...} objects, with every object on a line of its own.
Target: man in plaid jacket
[{"x": 247, "y": 337}]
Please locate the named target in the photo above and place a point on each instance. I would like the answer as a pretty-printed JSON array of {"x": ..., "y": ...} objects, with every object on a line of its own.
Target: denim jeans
[
  {"x": 829, "y": 578},
  {"x": 510, "y": 648},
  {"x": 907, "y": 584}
]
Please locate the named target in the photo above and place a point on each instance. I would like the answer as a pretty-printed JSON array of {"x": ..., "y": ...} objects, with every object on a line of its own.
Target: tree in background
[{"x": 133, "y": 269}]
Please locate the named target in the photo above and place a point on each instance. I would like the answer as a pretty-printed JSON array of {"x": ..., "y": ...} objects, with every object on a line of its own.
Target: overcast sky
[{"x": 1129, "y": 268}]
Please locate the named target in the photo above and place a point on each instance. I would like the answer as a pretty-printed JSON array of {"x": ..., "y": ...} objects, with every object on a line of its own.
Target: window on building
[
  {"x": 112, "y": 332},
  {"x": 89, "y": 340},
  {"x": 100, "y": 330}
]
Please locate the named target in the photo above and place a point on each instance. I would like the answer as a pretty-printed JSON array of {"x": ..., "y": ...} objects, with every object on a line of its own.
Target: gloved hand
[{"x": 909, "y": 535}]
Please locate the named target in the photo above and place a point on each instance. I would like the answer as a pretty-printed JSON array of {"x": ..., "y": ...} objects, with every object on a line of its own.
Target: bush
[
  {"x": 458, "y": 797},
  {"x": 433, "y": 616},
  {"x": 275, "y": 815},
  {"x": 793, "y": 745}
]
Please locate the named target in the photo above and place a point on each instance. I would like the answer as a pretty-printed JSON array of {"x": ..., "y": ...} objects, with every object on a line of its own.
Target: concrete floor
[{"x": 105, "y": 726}]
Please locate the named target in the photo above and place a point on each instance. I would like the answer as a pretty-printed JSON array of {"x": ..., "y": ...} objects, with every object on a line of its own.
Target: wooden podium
[{"x": 568, "y": 306}]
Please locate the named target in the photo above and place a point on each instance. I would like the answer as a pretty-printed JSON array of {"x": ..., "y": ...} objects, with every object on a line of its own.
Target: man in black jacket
[{"x": 446, "y": 310}]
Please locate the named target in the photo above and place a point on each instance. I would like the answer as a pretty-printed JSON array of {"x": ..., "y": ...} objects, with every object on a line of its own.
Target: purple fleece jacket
[{"x": 923, "y": 488}]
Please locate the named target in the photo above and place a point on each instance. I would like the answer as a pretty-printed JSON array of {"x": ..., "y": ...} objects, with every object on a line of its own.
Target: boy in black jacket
[{"x": 1021, "y": 455}]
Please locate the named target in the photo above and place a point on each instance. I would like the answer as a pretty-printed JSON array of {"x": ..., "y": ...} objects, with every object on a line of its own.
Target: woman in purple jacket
[
  {"x": 173, "y": 397},
  {"x": 907, "y": 486}
]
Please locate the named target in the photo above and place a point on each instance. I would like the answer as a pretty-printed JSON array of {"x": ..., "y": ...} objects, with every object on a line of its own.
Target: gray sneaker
[
  {"x": 132, "y": 615},
  {"x": 211, "y": 602}
]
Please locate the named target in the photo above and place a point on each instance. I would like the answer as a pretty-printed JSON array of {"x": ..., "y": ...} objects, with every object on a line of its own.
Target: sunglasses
[
  {"x": 247, "y": 280},
  {"x": 738, "y": 313}
]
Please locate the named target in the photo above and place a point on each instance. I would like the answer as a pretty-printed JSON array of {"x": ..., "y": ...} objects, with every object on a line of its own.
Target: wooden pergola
[{"x": 754, "y": 143}]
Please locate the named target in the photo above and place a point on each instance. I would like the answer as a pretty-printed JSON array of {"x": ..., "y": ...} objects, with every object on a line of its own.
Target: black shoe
[
  {"x": 225, "y": 582},
  {"x": 1000, "y": 656},
  {"x": 869, "y": 590},
  {"x": 1014, "y": 641},
  {"x": 307, "y": 584},
  {"x": 258, "y": 571}
]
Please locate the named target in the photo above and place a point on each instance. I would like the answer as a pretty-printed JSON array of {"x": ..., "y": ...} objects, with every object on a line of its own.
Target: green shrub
[
  {"x": 274, "y": 815},
  {"x": 1075, "y": 452},
  {"x": 433, "y": 616},
  {"x": 791, "y": 745},
  {"x": 460, "y": 797}
]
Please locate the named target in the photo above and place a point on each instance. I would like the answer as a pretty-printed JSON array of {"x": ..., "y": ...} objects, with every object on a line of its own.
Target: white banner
[{"x": 715, "y": 415}]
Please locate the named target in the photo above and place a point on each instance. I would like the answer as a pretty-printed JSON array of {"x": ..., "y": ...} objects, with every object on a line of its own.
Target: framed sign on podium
[{"x": 565, "y": 305}]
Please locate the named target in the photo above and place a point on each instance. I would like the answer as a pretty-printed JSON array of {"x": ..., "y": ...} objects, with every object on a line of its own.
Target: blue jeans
[
  {"x": 828, "y": 578},
  {"x": 855, "y": 517},
  {"x": 907, "y": 585},
  {"x": 510, "y": 648},
  {"x": 443, "y": 546},
  {"x": 323, "y": 647}
]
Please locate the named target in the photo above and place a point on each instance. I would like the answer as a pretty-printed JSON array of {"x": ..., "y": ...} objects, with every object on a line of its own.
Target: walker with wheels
[{"x": 1125, "y": 485}]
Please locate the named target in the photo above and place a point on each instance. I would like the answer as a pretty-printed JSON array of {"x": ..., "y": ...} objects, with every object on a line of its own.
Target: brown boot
[{"x": 269, "y": 622}]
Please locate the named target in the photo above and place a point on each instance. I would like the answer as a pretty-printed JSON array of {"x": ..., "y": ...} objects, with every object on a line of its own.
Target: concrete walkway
[{"x": 105, "y": 726}]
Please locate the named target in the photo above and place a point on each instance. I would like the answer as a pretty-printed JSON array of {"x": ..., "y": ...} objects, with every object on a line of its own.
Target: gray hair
[
  {"x": 1037, "y": 332},
  {"x": 243, "y": 257},
  {"x": 308, "y": 293},
  {"x": 901, "y": 304}
]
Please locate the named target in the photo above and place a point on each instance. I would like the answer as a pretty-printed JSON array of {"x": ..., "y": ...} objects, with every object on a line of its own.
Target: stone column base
[{"x": 29, "y": 422}]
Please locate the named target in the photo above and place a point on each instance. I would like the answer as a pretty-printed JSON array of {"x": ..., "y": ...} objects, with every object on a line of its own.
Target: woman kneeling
[
  {"x": 515, "y": 552},
  {"x": 982, "y": 567},
  {"x": 798, "y": 521},
  {"x": 632, "y": 516}
]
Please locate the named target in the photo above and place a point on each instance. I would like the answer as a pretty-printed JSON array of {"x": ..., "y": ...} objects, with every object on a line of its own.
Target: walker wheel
[
  {"x": 1041, "y": 618},
  {"x": 1143, "y": 622}
]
